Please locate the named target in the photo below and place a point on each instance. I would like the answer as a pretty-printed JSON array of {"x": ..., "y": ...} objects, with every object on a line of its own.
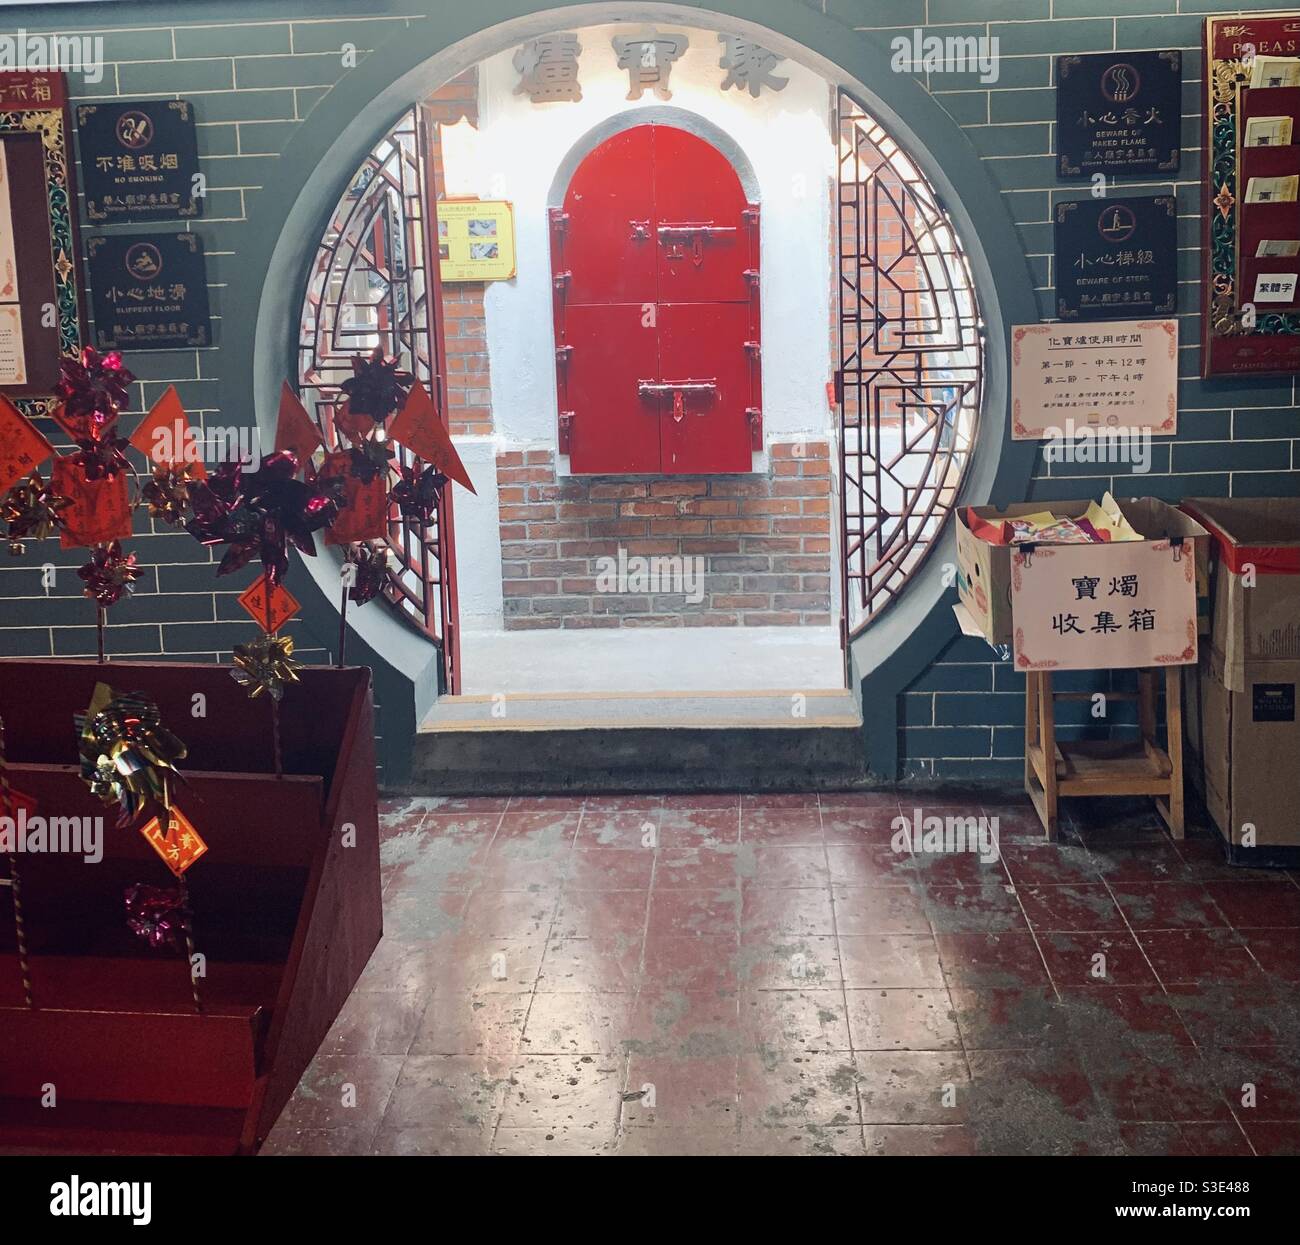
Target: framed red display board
[
  {"x": 41, "y": 295},
  {"x": 285, "y": 908},
  {"x": 1250, "y": 319}
]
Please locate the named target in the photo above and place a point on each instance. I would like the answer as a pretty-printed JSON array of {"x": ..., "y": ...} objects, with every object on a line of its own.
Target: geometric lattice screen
[
  {"x": 911, "y": 364},
  {"x": 369, "y": 286}
]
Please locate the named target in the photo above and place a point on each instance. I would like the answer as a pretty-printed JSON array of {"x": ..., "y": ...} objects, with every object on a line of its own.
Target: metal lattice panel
[
  {"x": 911, "y": 364},
  {"x": 369, "y": 286}
]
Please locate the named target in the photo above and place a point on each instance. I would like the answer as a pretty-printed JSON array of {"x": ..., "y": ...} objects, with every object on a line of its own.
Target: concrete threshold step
[
  {"x": 524, "y": 711},
  {"x": 594, "y": 742}
]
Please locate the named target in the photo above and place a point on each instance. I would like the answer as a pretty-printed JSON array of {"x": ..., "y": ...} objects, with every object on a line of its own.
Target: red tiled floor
[{"x": 753, "y": 974}]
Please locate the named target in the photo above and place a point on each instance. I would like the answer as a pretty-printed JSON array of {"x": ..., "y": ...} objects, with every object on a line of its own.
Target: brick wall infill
[{"x": 764, "y": 542}]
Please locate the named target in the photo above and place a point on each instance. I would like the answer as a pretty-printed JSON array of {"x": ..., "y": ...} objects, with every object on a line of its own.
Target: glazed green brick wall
[
  {"x": 255, "y": 71},
  {"x": 964, "y": 718},
  {"x": 252, "y": 81}
]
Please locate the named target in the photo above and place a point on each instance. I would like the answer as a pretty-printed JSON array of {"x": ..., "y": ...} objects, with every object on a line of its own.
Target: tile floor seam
[
  {"x": 1033, "y": 934},
  {"x": 1164, "y": 989},
  {"x": 844, "y": 985}
]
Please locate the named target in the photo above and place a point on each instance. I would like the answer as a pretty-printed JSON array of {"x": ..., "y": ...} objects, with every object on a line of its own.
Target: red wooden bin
[{"x": 286, "y": 906}]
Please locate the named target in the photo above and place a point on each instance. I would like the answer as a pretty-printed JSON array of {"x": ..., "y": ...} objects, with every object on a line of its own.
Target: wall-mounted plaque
[
  {"x": 139, "y": 161},
  {"x": 476, "y": 239},
  {"x": 1123, "y": 374},
  {"x": 40, "y": 287},
  {"x": 1250, "y": 241},
  {"x": 149, "y": 291},
  {"x": 1116, "y": 258},
  {"x": 1118, "y": 112}
]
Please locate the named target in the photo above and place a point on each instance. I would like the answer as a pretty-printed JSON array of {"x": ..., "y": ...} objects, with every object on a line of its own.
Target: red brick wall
[
  {"x": 765, "y": 542},
  {"x": 469, "y": 396}
]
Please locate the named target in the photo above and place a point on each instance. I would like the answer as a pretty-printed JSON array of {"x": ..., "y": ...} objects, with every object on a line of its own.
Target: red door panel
[
  {"x": 613, "y": 430},
  {"x": 696, "y": 185},
  {"x": 610, "y": 200},
  {"x": 656, "y": 256},
  {"x": 705, "y": 342}
]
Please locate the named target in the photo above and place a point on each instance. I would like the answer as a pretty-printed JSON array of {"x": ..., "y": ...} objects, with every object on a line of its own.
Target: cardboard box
[
  {"x": 1245, "y": 745},
  {"x": 986, "y": 578},
  {"x": 1253, "y": 571}
]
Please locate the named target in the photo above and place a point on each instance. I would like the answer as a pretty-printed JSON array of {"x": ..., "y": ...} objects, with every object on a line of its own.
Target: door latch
[
  {"x": 679, "y": 389},
  {"x": 677, "y": 235}
]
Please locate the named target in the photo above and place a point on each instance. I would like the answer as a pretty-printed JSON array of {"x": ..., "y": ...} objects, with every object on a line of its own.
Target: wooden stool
[{"x": 1105, "y": 767}]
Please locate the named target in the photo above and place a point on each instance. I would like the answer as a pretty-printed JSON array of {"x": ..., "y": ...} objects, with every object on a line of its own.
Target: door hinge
[
  {"x": 755, "y": 416},
  {"x": 562, "y": 279},
  {"x": 754, "y": 349},
  {"x": 566, "y": 431},
  {"x": 562, "y": 354}
]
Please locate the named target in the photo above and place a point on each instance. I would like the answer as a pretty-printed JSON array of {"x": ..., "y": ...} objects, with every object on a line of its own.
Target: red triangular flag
[
  {"x": 294, "y": 429},
  {"x": 418, "y": 428},
  {"x": 163, "y": 435},
  {"x": 22, "y": 448}
]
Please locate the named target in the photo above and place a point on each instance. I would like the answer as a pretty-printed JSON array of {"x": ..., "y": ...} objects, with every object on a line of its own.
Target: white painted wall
[
  {"x": 478, "y": 536},
  {"x": 520, "y": 145},
  {"x": 786, "y": 136}
]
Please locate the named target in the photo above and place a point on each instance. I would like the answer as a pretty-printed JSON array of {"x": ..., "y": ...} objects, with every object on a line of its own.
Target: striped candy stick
[{"x": 14, "y": 880}]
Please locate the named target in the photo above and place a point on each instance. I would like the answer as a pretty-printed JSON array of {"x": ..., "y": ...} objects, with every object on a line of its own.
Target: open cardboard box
[
  {"x": 1245, "y": 746},
  {"x": 1253, "y": 569},
  {"x": 286, "y": 912},
  {"x": 984, "y": 570}
]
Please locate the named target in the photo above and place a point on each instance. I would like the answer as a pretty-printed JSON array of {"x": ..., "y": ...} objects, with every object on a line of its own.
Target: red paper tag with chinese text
[
  {"x": 164, "y": 436},
  {"x": 22, "y": 448},
  {"x": 180, "y": 847},
  {"x": 418, "y": 427},
  {"x": 100, "y": 511},
  {"x": 283, "y": 605},
  {"x": 365, "y": 517}
]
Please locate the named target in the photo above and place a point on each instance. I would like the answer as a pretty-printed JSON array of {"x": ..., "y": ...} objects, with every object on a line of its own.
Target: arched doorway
[{"x": 334, "y": 138}]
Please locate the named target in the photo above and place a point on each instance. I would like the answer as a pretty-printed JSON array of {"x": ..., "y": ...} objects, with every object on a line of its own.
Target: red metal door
[{"x": 655, "y": 263}]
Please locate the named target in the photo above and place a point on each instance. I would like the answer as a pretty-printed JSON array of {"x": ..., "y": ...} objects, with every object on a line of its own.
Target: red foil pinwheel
[
  {"x": 31, "y": 511},
  {"x": 167, "y": 494},
  {"x": 93, "y": 388},
  {"x": 260, "y": 513},
  {"x": 418, "y": 492},
  {"x": 128, "y": 757},
  {"x": 369, "y": 565},
  {"x": 110, "y": 575},
  {"x": 377, "y": 386},
  {"x": 156, "y": 914}
]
